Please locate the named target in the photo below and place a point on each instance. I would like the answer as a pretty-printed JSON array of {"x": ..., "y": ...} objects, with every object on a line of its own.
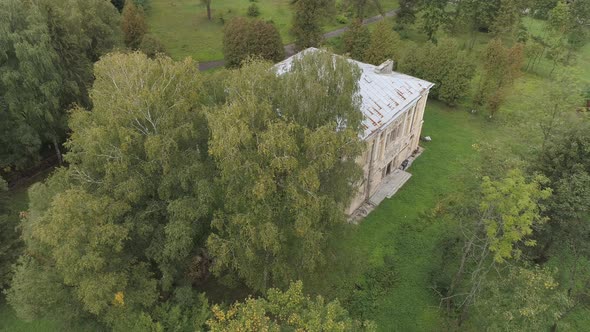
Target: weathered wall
[{"x": 393, "y": 144}]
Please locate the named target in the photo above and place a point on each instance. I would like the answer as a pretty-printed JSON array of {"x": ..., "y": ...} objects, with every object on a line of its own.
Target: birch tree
[
  {"x": 287, "y": 165},
  {"x": 288, "y": 310},
  {"x": 47, "y": 49},
  {"x": 121, "y": 224}
]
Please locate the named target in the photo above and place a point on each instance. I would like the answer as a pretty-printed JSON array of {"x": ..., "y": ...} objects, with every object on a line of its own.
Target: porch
[{"x": 388, "y": 187}]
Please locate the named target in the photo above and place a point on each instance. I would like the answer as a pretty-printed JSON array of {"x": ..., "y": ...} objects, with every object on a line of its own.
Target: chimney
[{"x": 385, "y": 68}]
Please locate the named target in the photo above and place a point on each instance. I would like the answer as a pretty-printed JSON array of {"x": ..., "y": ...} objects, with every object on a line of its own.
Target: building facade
[{"x": 393, "y": 108}]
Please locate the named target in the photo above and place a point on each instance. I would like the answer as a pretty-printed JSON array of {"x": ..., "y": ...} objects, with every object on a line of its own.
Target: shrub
[
  {"x": 151, "y": 46},
  {"x": 445, "y": 65},
  {"x": 244, "y": 38},
  {"x": 253, "y": 10},
  {"x": 133, "y": 25},
  {"x": 341, "y": 19}
]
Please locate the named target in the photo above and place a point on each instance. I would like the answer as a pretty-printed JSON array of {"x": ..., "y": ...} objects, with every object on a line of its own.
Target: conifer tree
[
  {"x": 133, "y": 25},
  {"x": 385, "y": 44},
  {"x": 356, "y": 39},
  {"x": 307, "y": 20}
]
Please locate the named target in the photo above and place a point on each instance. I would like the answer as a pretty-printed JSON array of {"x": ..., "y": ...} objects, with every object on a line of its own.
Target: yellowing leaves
[
  {"x": 119, "y": 299},
  {"x": 510, "y": 208}
]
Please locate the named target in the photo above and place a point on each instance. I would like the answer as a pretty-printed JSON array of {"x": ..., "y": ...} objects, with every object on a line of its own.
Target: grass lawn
[
  {"x": 184, "y": 29},
  {"x": 398, "y": 227},
  {"x": 401, "y": 229},
  {"x": 10, "y": 323}
]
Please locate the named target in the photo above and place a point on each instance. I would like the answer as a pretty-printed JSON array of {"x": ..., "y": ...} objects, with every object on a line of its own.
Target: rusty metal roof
[{"x": 384, "y": 96}]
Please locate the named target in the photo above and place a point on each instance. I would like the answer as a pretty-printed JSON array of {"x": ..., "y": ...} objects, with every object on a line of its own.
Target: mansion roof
[{"x": 385, "y": 94}]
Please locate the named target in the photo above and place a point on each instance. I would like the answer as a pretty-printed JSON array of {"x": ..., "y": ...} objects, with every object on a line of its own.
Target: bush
[
  {"x": 151, "y": 46},
  {"x": 445, "y": 65},
  {"x": 133, "y": 25},
  {"x": 341, "y": 19},
  {"x": 253, "y": 10},
  {"x": 244, "y": 38}
]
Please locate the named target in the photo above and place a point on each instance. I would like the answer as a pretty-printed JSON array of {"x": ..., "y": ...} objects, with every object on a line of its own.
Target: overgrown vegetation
[
  {"x": 181, "y": 185},
  {"x": 245, "y": 39}
]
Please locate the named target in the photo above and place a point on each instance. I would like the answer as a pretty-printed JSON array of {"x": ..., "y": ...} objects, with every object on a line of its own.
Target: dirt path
[{"x": 290, "y": 48}]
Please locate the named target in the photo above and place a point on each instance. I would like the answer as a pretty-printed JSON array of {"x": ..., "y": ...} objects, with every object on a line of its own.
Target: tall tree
[
  {"x": 507, "y": 20},
  {"x": 407, "y": 11},
  {"x": 244, "y": 38},
  {"x": 501, "y": 66},
  {"x": 541, "y": 8},
  {"x": 30, "y": 83},
  {"x": 47, "y": 51},
  {"x": 289, "y": 310},
  {"x": 385, "y": 44},
  {"x": 207, "y": 4},
  {"x": 356, "y": 39},
  {"x": 362, "y": 6},
  {"x": 445, "y": 64},
  {"x": 526, "y": 299},
  {"x": 557, "y": 105},
  {"x": 287, "y": 165},
  {"x": 10, "y": 244},
  {"x": 119, "y": 4},
  {"x": 473, "y": 16},
  {"x": 135, "y": 200},
  {"x": 133, "y": 25},
  {"x": 307, "y": 20},
  {"x": 564, "y": 160},
  {"x": 568, "y": 29},
  {"x": 508, "y": 210},
  {"x": 433, "y": 16}
]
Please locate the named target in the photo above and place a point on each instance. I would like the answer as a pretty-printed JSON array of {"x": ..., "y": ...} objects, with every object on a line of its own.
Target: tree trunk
[
  {"x": 57, "y": 151},
  {"x": 459, "y": 275},
  {"x": 209, "y": 10}
]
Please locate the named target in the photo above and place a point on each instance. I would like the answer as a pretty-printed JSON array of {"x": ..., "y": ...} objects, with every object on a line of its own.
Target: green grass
[
  {"x": 10, "y": 323},
  {"x": 184, "y": 29},
  {"x": 401, "y": 228},
  {"x": 398, "y": 228}
]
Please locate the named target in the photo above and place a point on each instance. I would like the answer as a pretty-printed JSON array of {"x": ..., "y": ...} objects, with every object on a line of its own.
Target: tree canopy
[
  {"x": 245, "y": 38},
  {"x": 384, "y": 44},
  {"x": 445, "y": 64},
  {"x": 122, "y": 223},
  {"x": 287, "y": 165},
  {"x": 47, "y": 49},
  {"x": 288, "y": 310}
]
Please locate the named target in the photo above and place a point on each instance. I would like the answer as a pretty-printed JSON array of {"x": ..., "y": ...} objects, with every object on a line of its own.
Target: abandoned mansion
[{"x": 393, "y": 108}]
